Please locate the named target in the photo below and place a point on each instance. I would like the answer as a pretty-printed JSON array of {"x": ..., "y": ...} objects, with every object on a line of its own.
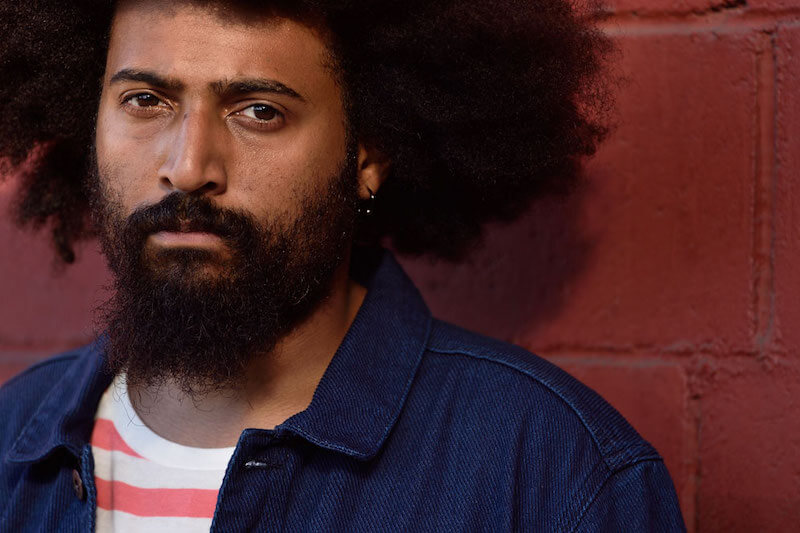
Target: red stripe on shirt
[
  {"x": 106, "y": 437},
  {"x": 191, "y": 503}
]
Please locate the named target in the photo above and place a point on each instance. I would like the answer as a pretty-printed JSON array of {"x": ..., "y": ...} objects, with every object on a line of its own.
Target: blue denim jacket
[{"x": 416, "y": 425}]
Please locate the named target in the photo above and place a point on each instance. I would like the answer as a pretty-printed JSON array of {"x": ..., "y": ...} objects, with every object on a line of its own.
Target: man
[{"x": 263, "y": 364}]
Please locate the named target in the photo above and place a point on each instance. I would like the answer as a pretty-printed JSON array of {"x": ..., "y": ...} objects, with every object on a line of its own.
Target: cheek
[
  {"x": 277, "y": 181},
  {"x": 124, "y": 163},
  {"x": 269, "y": 192}
]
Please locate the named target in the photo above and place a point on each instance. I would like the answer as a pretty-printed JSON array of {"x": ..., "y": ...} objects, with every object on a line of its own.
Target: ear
[{"x": 373, "y": 168}]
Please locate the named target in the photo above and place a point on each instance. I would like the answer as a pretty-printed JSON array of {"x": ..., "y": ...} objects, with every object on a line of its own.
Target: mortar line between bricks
[
  {"x": 677, "y": 354},
  {"x": 641, "y": 360},
  {"x": 697, "y": 16},
  {"x": 674, "y": 14},
  {"x": 616, "y": 360},
  {"x": 763, "y": 208},
  {"x": 686, "y": 23}
]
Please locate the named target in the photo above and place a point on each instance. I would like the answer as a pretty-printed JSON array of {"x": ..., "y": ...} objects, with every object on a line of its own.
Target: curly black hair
[{"x": 481, "y": 106}]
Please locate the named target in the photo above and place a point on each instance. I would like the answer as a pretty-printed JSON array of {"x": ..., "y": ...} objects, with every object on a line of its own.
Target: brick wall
[{"x": 670, "y": 283}]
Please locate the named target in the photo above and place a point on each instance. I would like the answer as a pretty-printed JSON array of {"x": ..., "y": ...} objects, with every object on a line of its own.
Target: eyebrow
[
  {"x": 253, "y": 85},
  {"x": 150, "y": 78},
  {"x": 223, "y": 88}
]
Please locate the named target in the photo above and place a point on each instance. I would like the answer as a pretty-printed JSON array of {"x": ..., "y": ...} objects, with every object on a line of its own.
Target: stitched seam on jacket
[
  {"x": 537, "y": 380},
  {"x": 22, "y": 437},
  {"x": 610, "y": 459},
  {"x": 579, "y": 518},
  {"x": 573, "y": 515}
]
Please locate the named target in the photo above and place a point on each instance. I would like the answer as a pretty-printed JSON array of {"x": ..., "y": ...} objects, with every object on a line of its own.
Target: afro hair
[{"x": 481, "y": 106}]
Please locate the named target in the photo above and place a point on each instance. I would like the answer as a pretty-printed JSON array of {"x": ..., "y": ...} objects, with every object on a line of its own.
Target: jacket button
[{"x": 77, "y": 484}]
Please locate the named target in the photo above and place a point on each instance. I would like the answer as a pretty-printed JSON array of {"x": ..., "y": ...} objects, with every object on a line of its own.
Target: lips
[{"x": 186, "y": 237}]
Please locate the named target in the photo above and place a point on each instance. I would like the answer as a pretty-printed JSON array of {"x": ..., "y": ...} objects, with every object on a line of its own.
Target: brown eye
[
  {"x": 143, "y": 100},
  {"x": 262, "y": 112}
]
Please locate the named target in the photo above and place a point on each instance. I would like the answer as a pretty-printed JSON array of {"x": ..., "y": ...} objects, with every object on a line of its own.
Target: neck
[{"x": 276, "y": 385}]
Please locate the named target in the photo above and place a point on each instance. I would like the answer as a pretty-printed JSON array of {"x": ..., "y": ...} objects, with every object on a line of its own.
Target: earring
[{"x": 367, "y": 206}]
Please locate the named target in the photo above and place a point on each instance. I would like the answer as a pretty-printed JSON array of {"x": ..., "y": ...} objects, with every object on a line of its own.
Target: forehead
[{"x": 201, "y": 43}]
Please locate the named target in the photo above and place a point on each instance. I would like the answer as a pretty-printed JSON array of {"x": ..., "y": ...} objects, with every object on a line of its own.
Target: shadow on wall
[
  {"x": 520, "y": 275},
  {"x": 47, "y": 307}
]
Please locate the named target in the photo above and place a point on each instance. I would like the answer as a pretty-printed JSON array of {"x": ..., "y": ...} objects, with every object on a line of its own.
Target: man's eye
[
  {"x": 143, "y": 100},
  {"x": 262, "y": 112}
]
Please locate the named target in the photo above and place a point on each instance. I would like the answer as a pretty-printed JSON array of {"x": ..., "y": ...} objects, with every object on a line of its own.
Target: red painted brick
[
  {"x": 657, "y": 250},
  {"x": 653, "y": 396},
  {"x": 750, "y": 449},
  {"x": 518, "y": 279},
  {"x": 41, "y": 308},
  {"x": 787, "y": 208}
]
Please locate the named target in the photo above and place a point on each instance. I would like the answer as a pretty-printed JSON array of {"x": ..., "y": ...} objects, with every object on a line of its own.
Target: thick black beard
[{"x": 196, "y": 318}]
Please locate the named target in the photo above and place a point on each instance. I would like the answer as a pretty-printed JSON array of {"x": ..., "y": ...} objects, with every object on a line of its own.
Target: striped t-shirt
[{"x": 145, "y": 482}]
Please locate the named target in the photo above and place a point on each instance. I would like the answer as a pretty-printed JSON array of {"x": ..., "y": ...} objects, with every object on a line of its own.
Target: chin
[{"x": 185, "y": 265}]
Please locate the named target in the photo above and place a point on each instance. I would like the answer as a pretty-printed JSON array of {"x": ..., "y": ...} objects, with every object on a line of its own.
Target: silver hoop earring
[{"x": 367, "y": 207}]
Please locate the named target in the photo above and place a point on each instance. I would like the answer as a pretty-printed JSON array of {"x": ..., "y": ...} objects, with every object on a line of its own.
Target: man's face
[
  {"x": 242, "y": 108},
  {"x": 225, "y": 187}
]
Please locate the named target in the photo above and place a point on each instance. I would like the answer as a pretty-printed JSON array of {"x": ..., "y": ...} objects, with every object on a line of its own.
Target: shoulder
[
  {"x": 556, "y": 448},
  {"x": 539, "y": 392}
]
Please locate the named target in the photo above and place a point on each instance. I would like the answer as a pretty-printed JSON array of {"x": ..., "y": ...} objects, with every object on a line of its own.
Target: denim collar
[{"x": 355, "y": 405}]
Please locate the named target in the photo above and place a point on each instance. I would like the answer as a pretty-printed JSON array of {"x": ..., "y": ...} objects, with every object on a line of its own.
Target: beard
[{"x": 196, "y": 317}]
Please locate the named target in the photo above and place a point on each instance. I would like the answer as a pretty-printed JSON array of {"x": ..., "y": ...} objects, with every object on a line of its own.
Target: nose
[{"x": 194, "y": 161}]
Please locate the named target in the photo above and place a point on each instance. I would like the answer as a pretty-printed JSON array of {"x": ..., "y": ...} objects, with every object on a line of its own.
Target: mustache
[{"x": 185, "y": 212}]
